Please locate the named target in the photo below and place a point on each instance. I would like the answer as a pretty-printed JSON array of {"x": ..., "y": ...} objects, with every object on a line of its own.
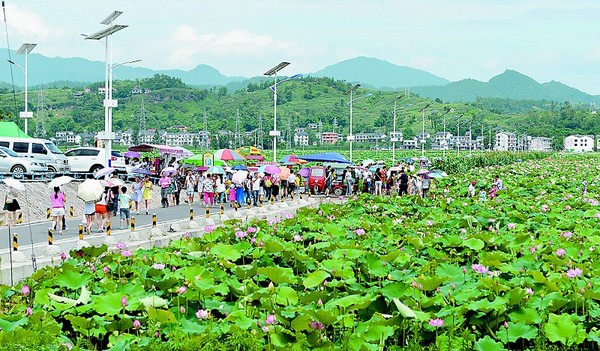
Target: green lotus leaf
[
  {"x": 564, "y": 329},
  {"x": 84, "y": 298},
  {"x": 379, "y": 333},
  {"x": 192, "y": 327},
  {"x": 315, "y": 278},
  {"x": 488, "y": 344},
  {"x": 285, "y": 295},
  {"x": 451, "y": 272},
  {"x": 278, "y": 275},
  {"x": 72, "y": 278},
  {"x": 225, "y": 251},
  {"x": 517, "y": 331},
  {"x": 153, "y": 301},
  {"x": 11, "y": 323},
  {"x": 302, "y": 323},
  {"x": 404, "y": 310},
  {"x": 474, "y": 244},
  {"x": 161, "y": 316},
  {"x": 240, "y": 319}
]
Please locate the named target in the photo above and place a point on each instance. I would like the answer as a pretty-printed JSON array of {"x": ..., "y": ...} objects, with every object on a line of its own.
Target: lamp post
[
  {"x": 394, "y": 138},
  {"x": 351, "y": 91},
  {"x": 108, "y": 102},
  {"x": 423, "y": 132},
  {"x": 25, "y": 49},
  {"x": 275, "y": 133}
]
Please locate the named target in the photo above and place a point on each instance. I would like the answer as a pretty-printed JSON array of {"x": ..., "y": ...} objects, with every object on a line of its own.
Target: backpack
[{"x": 268, "y": 182}]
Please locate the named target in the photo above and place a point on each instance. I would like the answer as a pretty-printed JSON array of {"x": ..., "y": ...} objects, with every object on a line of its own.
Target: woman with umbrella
[
  {"x": 11, "y": 206},
  {"x": 57, "y": 203}
]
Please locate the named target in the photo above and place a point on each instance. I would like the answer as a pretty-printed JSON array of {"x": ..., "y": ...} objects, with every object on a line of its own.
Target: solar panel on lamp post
[
  {"x": 108, "y": 102},
  {"x": 275, "y": 133},
  {"x": 25, "y": 49},
  {"x": 394, "y": 138}
]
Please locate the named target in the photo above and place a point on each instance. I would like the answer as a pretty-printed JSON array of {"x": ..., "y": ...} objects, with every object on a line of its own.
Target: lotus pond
[{"x": 519, "y": 272}]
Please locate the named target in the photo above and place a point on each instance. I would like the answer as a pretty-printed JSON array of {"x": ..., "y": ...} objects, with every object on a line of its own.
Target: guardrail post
[
  {"x": 222, "y": 209},
  {"x": 72, "y": 211},
  {"x": 20, "y": 218},
  {"x": 47, "y": 212}
]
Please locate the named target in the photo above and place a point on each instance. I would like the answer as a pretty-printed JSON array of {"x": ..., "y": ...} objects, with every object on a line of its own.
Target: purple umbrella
[
  {"x": 304, "y": 172},
  {"x": 272, "y": 169},
  {"x": 202, "y": 168},
  {"x": 132, "y": 154}
]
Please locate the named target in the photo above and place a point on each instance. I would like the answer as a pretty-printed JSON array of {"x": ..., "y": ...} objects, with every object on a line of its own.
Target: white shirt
[{"x": 292, "y": 179}]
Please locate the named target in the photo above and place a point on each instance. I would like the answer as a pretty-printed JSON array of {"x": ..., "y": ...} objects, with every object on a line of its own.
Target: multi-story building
[
  {"x": 329, "y": 137},
  {"x": 505, "y": 141},
  {"x": 368, "y": 137},
  {"x": 540, "y": 144},
  {"x": 146, "y": 136},
  {"x": 410, "y": 144},
  {"x": 579, "y": 143},
  {"x": 301, "y": 139},
  {"x": 178, "y": 138}
]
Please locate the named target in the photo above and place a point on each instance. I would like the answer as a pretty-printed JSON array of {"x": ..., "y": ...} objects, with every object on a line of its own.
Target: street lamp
[
  {"x": 25, "y": 49},
  {"x": 275, "y": 133},
  {"x": 394, "y": 138},
  {"x": 351, "y": 91},
  {"x": 108, "y": 102},
  {"x": 423, "y": 132}
]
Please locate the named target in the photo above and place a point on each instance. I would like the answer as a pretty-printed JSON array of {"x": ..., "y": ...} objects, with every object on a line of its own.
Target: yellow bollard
[
  {"x": 48, "y": 213},
  {"x": 154, "y": 220},
  {"x": 72, "y": 211},
  {"x": 272, "y": 199},
  {"x": 15, "y": 242},
  {"x": 133, "y": 224},
  {"x": 260, "y": 201},
  {"x": 50, "y": 237},
  {"x": 108, "y": 228},
  {"x": 20, "y": 218},
  {"x": 81, "y": 232},
  {"x": 191, "y": 214},
  {"x": 222, "y": 209},
  {"x": 207, "y": 212}
]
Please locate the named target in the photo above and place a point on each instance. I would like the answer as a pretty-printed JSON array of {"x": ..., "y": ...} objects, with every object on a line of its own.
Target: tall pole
[
  {"x": 25, "y": 49},
  {"x": 445, "y": 139},
  {"x": 26, "y": 90},
  {"x": 394, "y": 138},
  {"x": 350, "y": 136},
  {"x": 275, "y": 133},
  {"x": 423, "y": 132}
]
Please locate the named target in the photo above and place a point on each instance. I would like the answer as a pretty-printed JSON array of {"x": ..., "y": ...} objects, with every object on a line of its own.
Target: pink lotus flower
[
  {"x": 359, "y": 231},
  {"x": 297, "y": 237},
  {"x": 253, "y": 241},
  {"x": 124, "y": 301},
  {"x": 181, "y": 290},
  {"x": 532, "y": 249},
  {"x": 436, "y": 322},
  {"x": 106, "y": 269},
  {"x": 271, "y": 319},
  {"x": 317, "y": 325},
  {"x": 479, "y": 268},
  {"x": 182, "y": 309},
  {"x": 158, "y": 266},
  {"x": 545, "y": 208},
  {"x": 137, "y": 324},
  {"x": 25, "y": 290},
  {"x": 126, "y": 253},
  {"x": 251, "y": 230},
  {"x": 202, "y": 314},
  {"x": 560, "y": 252},
  {"x": 240, "y": 234},
  {"x": 511, "y": 226},
  {"x": 265, "y": 328},
  {"x": 567, "y": 235},
  {"x": 463, "y": 231},
  {"x": 121, "y": 246},
  {"x": 320, "y": 303},
  {"x": 574, "y": 273},
  {"x": 28, "y": 312},
  {"x": 63, "y": 256},
  {"x": 92, "y": 268},
  {"x": 529, "y": 291},
  {"x": 209, "y": 228},
  {"x": 428, "y": 223}
]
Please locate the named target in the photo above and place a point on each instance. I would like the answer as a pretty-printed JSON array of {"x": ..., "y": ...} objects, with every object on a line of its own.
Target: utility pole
[
  {"x": 260, "y": 131},
  {"x": 40, "y": 131},
  {"x": 237, "y": 135},
  {"x": 205, "y": 126},
  {"x": 288, "y": 133}
]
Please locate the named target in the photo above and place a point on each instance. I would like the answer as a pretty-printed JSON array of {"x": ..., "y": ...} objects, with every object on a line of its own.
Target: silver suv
[
  {"x": 11, "y": 162},
  {"x": 91, "y": 159}
]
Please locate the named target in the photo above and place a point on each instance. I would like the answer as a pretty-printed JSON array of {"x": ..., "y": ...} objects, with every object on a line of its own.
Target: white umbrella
[
  {"x": 112, "y": 182},
  {"x": 239, "y": 177},
  {"x": 104, "y": 171},
  {"x": 59, "y": 181},
  {"x": 90, "y": 190},
  {"x": 14, "y": 183}
]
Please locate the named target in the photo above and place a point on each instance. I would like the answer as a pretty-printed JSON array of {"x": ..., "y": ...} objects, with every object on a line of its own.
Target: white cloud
[{"x": 26, "y": 25}]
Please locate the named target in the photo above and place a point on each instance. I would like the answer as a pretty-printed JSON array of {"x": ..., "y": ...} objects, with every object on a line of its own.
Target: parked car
[
  {"x": 11, "y": 162},
  {"x": 41, "y": 150},
  {"x": 91, "y": 159}
]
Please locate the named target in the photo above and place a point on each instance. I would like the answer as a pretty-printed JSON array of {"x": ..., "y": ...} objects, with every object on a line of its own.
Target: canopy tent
[
  {"x": 11, "y": 129},
  {"x": 162, "y": 149},
  {"x": 249, "y": 150},
  {"x": 325, "y": 157}
]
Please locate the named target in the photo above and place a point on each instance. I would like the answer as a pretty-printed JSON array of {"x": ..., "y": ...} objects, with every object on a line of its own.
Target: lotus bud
[
  {"x": 271, "y": 287},
  {"x": 320, "y": 303}
]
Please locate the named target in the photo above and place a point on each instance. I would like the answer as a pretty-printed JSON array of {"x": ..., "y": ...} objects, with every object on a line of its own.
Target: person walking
[
  {"x": 256, "y": 181},
  {"x": 220, "y": 190},
  {"x": 101, "y": 211},
  {"x": 190, "y": 185},
  {"x": 208, "y": 186},
  {"x": 125, "y": 216},
  {"x": 136, "y": 194},
  {"x": 11, "y": 206},
  {"x": 147, "y": 192},
  {"x": 89, "y": 210},
  {"x": 57, "y": 202},
  {"x": 403, "y": 188},
  {"x": 164, "y": 182},
  {"x": 378, "y": 182},
  {"x": 425, "y": 181}
]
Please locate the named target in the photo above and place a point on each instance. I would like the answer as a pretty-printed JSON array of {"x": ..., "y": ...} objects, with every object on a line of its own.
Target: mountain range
[{"x": 370, "y": 72}]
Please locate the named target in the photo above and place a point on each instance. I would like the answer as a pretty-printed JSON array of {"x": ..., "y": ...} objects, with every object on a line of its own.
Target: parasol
[
  {"x": 59, "y": 181},
  {"x": 90, "y": 190}
]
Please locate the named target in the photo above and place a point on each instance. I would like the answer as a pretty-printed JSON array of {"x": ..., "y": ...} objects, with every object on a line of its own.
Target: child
[
  {"x": 232, "y": 196},
  {"x": 482, "y": 194},
  {"x": 124, "y": 200},
  {"x": 493, "y": 191}
]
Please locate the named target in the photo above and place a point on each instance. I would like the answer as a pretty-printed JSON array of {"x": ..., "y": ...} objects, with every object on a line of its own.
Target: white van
[{"x": 39, "y": 149}]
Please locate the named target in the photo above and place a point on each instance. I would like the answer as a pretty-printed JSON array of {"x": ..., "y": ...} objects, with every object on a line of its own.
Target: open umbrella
[
  {"x": 304, "y": 172},
  {"x": 228, "y": 155},
  {"x": 142, "y": 171},
  {"x": 112, "y": 182},
  {"x": 132, "y": 154},
  {"x": 239, "y": 177},
  {"x": 169, "y": 170},
  {"x": 239, "y": 168},
  {"x": 216, "y": 170},
  {"x": 271, "y": 169},
  {"x": 422, "y": 171},
  {"x": 59, "y": 181},
  {"x": 285, "y": 173},
  {"x": 14, "y": 183},
  {"x": 291, "y": 159},
  {"x": 90, "y": 190},
  {"x": 104, "y": 171},
  {"x": 202, "y": 168}
]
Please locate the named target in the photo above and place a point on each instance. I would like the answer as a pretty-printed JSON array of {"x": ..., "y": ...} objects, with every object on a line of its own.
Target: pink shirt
[
  {"x": 164, "y": 182},
  {"x": 57, "y": 201}
]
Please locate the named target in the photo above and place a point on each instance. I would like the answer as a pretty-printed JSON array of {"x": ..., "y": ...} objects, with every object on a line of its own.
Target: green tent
[{"x": 11, "y": 129}]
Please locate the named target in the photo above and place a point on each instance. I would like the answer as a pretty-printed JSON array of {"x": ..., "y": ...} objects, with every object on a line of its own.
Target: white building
[
  {"x": 409, "y": 144},
  {"x": 540, "y": 144},
  {"x": 178, "y": 138},
  {"x": 505, "y": 141},
  {"x": 301, "y": 139},
  {"x": 579, "y": 143}
]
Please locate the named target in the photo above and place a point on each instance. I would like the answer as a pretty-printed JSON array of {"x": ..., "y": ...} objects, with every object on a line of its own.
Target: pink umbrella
[
  {"x": 228, "y": 155},
  {"x": 272, "y": 169},
  {"x": 239, "y": 177},
  {"x": 285, "y": 173}
]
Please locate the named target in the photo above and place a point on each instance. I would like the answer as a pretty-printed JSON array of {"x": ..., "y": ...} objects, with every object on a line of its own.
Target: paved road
[{"x": 39, "y": 231}]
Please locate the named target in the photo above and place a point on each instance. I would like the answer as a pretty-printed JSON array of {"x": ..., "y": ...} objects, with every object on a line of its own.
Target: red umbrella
[{"x": 228, "y": 155}]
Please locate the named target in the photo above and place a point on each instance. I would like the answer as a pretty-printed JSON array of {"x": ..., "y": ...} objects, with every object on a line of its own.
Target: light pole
[
  {"x": 394, "y": 138},
  {"x": 25, "y": 49},
  {"x": 108, "y": 102},
  {"x": 423, "y": 132},
  {"x": 275, "y": 133},
  {"x": 445, "y": 141},
  {"x": 350, "y": 92}
]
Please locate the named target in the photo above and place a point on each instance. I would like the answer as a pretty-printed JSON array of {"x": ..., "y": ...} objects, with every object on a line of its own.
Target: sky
[{"x": 479, "y": 39}]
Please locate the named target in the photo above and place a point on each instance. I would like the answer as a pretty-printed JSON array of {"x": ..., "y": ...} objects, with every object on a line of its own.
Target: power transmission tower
[
  {"x": 288, "y": 133},
  {"x": 206, "y": 135},
  {"x": 320, "y": 131},
  {"x": 237, "y": 136},
  {"x": 260, "y": 131},
  {"x": 40, "y": 131}
]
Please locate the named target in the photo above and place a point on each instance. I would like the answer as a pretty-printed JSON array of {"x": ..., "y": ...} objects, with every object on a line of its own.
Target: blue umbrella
[{"x": 239, "y": 168}]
